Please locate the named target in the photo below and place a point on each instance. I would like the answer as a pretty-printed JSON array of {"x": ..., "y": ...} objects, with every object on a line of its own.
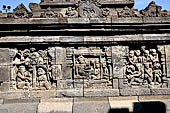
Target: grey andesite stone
[
  {"x": 101, "y": 92},
  {"x": 55, "y": 105},
  {"x": 160, "y": 91},
  {"x": 19, "y": 108},
  {"x": 134, "y": 92},
  {"x": 91, "y": 105}
]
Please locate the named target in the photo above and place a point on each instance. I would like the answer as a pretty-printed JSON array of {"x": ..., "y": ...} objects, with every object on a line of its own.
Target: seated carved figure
[
  {"x": 134, "y": 76},
  {"x": 23, "y": 78},
  {"x": 42, "y": 78}
]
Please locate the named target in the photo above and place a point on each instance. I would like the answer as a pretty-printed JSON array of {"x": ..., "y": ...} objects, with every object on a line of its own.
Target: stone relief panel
[
  {"x": 93, "y": 65},
  {"x": 89, "y": 67},
  {"x": 33, "y": 70},
  {"x": 145, "y": 67}
]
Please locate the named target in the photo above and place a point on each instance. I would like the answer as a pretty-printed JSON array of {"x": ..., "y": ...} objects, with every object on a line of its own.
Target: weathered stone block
[
  {"x": 65, "y": 84},
  {"x": 72, "y": 39},
  {"x": 5, "y": 86},
  {"x": 115, "y": 83},
  {"x": 4, "y": 56},
  {"x": 70, "y": 93},
  {"x": 55, "y": 105},
  {"x": 101, "y": 92},
  {"x": 123, "y": 102},
  {"x": 4, "y": 73},
  {"x": 66, "y": 72},
  {"x": 19, "y": 108},
  {"x": 91, "y": 105},
  {"x": 21, "y": 100},
  {"x": 159, "y": 91},
  {"x": 78, "y": 20},
  {"x": 135, "y": 92},
  {"x": 60, "y": 54}
]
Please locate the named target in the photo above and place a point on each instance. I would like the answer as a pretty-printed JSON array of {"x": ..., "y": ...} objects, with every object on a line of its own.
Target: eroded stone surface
[
  {"x": 91, "y": 105},
  {"x": 55, "y": 106}
]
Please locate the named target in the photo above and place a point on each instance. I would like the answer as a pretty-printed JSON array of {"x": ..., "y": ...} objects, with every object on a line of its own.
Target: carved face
[
  {"x": 147, "y": 65},
  {"x": 131, "y": 53},
  {"x": 146, "y": 53},
  {"x": 22, "y": 68},
  {"x": 41, "y": 71},
  {"x": 137, "y": 52}
]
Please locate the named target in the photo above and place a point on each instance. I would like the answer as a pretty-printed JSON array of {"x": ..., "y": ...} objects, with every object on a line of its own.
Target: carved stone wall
[{"x": 86, "y": 68}]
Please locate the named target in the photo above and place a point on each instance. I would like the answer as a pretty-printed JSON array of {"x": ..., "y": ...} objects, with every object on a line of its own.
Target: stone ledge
[
  {"x": 85, "y": 39},
  {"x": 21, "y": 100},
  {"x": 160, "y": 91},
  {"x": 55, "y": 106},
  {"x": 135, "y": 92},
  {"x": 109, "y": 20},
  {"x": 69, "y": 93},
  {"x": 101, "y": 92}
]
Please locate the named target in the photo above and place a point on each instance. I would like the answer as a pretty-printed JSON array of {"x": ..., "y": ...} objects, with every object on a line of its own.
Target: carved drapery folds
[{"x": 145, "y": 67}]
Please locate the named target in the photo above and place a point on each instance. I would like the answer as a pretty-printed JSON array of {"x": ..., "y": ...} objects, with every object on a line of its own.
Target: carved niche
[
  {"x": 89, "y": 8},
  {"x": 21, "y": 11},
  {"x": 33, "y": 70},
  {"x": 93, "y": 65},
  {"x": 145, "y": 67}
]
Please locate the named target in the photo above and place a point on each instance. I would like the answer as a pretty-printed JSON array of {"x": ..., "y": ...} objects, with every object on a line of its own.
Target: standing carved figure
[{"x": 148, "y": 73}]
